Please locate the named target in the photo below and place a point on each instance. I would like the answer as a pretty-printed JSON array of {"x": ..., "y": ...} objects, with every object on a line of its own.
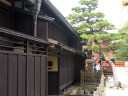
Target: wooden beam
[{"x": 15, "y": 34}]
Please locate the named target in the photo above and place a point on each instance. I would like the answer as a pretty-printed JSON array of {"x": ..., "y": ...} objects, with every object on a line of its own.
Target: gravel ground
[{"x": 122, "y": 74}]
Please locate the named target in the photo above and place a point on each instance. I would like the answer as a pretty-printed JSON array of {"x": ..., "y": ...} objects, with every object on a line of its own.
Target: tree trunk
[{"x": 115, "y": 78}]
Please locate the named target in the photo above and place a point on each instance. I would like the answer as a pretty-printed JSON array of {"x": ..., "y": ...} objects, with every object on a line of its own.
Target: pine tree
[
  {"x": 92, "y": 27},
  {"x": 121, "y": 52}
]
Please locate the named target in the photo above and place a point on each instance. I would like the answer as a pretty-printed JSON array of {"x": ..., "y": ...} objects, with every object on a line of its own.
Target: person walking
[{"x": 94, "y": 68}]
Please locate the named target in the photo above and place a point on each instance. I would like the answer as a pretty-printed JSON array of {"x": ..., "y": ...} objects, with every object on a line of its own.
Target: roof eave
[{"x": 60, "y": 16}]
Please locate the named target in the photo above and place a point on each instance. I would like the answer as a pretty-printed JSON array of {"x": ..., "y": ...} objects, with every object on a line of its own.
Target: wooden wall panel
[
  {"x": 72, "y": 42},
  {"x": 3, "y": 75},
  {"x": 53, "y": 83},
  {"x": 63, "y": 71},
  {"x": 30, "y": 76},
  {"x": 12, "y": 75},
  {"x": 42, "y": 29},
  {"x": 79, "y": 64},
  {"x": 5, "y": 17},
  {"x": 79, "y": 46},
  {"x": 37, "y": 76},
  {"x": 70, "y": 69},
  {"x": 67, "y": 70},
  {"x": 22, "y": 75},
  {"x": 16, "y": 21},
  {"x": 56, "y": 34},
  {"x": 44, "y": 76},
  {"x": 23, "y": 23}
]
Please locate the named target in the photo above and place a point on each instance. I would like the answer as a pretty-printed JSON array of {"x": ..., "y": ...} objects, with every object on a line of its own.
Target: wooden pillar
[
  {"x": 58, "y": 86},
  {"x": 35, "y": 25},
  {"x": 46, "y": 31},
  {"x": 12, "y": 26},
  {"x": 23, "y": 4},
  {"x": 26, "y": 47}
]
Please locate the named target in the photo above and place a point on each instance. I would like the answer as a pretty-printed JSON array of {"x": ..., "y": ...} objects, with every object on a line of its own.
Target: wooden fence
[{"x": 90, "y": 77}]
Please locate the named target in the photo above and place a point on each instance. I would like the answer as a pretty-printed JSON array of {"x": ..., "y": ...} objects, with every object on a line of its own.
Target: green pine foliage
[
  {"x": 125, "y": 28},
  {"x": 91, "y": 26},
  {"x": 121, "y": 53}
]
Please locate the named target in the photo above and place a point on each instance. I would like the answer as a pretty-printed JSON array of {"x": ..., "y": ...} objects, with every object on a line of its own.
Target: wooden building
[
  {"x": 32, "y": 36},
  {"x": 64, "y": 53},
  {"x": 23, "y": 51}
]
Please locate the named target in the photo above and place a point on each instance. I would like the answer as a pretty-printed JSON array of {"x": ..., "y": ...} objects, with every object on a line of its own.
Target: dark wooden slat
[
  {"x": 52, "y": 83},
  {"x": 21, "y": 75},
  {"x": 3, "y": 74},
  {"x": 43, "y": 76},
  {"x": 41, "y": 26},
  {"x": 70, "y": 69},
  {"x": 13, "y": 75},
  {"x": 37, "y": 76},
  {"x": 5, "y": 17},
  {"x": 63, "y": 71},
  {"x": 56, "y": 34},
  {"x": 12, "y": 79},
  {"x": 30, "y": 76},
  {"x": 23, "y": 23}
]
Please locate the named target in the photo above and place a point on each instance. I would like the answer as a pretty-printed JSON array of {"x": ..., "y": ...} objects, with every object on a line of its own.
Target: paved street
[{"x": 122, "y": 74}]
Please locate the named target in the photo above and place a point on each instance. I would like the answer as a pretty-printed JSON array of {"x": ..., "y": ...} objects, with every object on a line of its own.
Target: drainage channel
[{"x": 82, "y": 90}]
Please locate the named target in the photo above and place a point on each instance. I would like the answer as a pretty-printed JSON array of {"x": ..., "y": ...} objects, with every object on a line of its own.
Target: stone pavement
[{"x": 122, "y": 74}]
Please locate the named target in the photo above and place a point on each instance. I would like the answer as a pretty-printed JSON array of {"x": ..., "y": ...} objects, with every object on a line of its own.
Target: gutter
[{"x": 36, "y": 10}]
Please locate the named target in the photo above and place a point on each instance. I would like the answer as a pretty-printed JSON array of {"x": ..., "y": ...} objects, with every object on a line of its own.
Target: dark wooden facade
[
  {"x": 22, "y": 21},
  {"x": 69, "y": 65},
  {"x": 24, "y": 56},
  {"x": 22, "y": 74},
  {"x": 65, "y": 46},
  {"x": 23, "y": 66},
  {"x": 66, "y": 70}
]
